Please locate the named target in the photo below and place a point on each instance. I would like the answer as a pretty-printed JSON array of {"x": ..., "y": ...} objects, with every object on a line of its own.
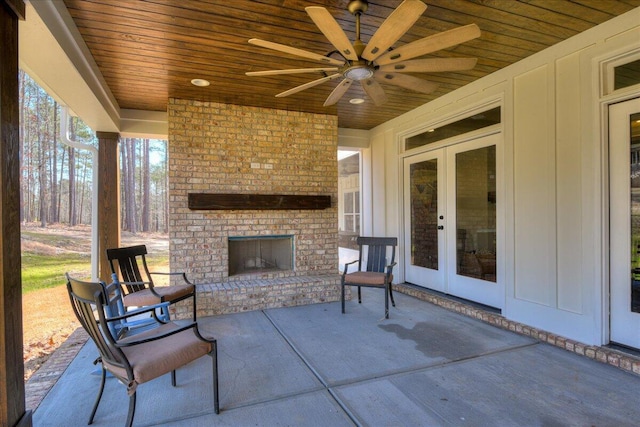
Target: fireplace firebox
[{"x": 260, "y": 254}]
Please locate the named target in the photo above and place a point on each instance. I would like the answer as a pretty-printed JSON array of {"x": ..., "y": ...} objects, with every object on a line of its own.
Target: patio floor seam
[{"x": 314, "y": 371}]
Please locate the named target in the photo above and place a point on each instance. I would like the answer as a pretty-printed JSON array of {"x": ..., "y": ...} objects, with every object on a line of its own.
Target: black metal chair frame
[
  {"x": 89, "y": 299},
  {"x": 376, "y": 262},
  {"x": 132, "y": 278}
]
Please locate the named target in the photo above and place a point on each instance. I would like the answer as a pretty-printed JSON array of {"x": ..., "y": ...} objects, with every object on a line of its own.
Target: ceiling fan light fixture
[
  {"x": 358, "y": 72},
  {"x": 200, "y": 82}
]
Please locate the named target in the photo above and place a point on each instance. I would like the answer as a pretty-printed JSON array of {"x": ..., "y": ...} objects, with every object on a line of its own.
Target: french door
[
  {"x": 624, "y": 211},
  {"x": 451, "y": 221}
]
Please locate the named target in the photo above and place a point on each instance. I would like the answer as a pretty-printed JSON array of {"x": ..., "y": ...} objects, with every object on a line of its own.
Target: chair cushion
[
  {"x": 146, "y": 297},
  {"x": 155, "y": 358},
  {"x": 368, "y": 278}
]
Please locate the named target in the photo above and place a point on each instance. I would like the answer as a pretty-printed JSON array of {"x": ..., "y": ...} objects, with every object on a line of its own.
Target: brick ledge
[
  {"x": 610, "y": 356},
  {"x": 237, "y": 296}
]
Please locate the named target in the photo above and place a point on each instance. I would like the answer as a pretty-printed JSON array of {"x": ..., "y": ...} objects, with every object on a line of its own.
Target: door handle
[{"x": 441, "y": 227}]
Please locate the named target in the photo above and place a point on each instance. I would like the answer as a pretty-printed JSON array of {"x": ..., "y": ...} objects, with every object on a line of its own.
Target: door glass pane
[
  {"x": 424, "y": 214},
  {"x": 635, "y": 211},
  {"x": 476, "y": 213}
]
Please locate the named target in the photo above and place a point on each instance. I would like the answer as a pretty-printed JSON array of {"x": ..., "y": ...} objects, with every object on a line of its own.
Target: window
[
  {"x": 626, "y": 75},
  {"x": 352, "y": 211},
  {"x": 468, "y": 124}
]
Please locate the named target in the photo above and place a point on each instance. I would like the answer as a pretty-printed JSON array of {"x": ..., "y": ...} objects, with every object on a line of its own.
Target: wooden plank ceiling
[{"x": 149, "y": 50}]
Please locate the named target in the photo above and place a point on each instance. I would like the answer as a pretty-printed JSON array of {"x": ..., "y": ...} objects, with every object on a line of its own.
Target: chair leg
[
  {"x": 342, "y": 296},
  {"x": 194, "y": 303},
  {"x": 386, "y": 301},
  {"x": 95, "y": 405},
  {"x": 214, "y": 357},
  {"x": 132, "y": 409},
  {"x": 173, "y": 378},
  {"x": 359, "y": 295},
  {"x": 393, "y": 303}
]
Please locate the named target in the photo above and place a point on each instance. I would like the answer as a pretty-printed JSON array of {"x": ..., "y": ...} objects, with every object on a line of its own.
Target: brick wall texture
[{"x": 211, "y": 150}]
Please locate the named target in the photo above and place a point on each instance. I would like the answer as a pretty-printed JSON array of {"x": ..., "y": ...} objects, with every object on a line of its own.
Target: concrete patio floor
[{"x": 312, "y": 366}]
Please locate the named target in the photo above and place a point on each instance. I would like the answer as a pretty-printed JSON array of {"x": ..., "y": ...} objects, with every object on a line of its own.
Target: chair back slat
[
  {"x": 376, "y": 252},
  {"x": 87, "y": 300},
  {"x": 129, "y": 260}
]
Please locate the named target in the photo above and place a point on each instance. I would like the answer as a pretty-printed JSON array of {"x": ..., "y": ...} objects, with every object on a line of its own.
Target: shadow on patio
[{"x": 310, "y": 365}]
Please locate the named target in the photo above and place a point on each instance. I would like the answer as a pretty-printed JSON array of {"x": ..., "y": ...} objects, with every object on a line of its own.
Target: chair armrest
[
  {"x": 346, "y": 266},
  {"x": 184, "y": 275},
  {"x": 390, "y": 268},
  {"x": 131, "y": 342},
  {"x": 138, "y": 311}
]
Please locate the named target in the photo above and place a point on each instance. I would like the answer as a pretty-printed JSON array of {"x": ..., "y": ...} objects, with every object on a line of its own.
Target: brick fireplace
[{"x": 219, "y": 148}]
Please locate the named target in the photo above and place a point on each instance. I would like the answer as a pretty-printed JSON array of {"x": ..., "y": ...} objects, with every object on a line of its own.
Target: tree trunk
[
  {"x": 59, "y": 201},
  {"x": 22, "y": 140},
  {"x": 54, "y": 216},
  {"x": 131, "y": 191},
  {"x": 73, "y": 219},
  {"x": 83, "y": 191},
  {"x": 146, "y": 182},
  {"x": 124, "y": 183},
  {"x": 165, "y": 205},
  {"x": 42, "y": 173}
]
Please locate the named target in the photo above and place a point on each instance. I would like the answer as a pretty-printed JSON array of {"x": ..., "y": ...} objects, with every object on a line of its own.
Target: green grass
[
  {"x": 47, "y": 271},
  {"x": 41, "y": 270}
]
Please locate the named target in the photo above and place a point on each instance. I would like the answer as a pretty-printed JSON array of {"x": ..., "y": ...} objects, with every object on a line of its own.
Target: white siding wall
[{"x": 554, "y": 142}]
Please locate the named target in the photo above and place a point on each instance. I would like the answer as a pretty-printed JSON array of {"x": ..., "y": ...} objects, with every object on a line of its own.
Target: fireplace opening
[{"x": 260, "y": 254}]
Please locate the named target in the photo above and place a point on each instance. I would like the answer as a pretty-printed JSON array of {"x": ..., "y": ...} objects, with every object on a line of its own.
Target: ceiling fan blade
[
  {"x": 308, "y": 85},
  {"x": 374, "y": 90},
  {"x": 295, "y": 51},
  {"x": 408, "y": 82},
  {"x": 430, "y": 44},
  {"x": 393, "y": 28},
  {"x": 337, "y": 93},
  {"x": 431, "y": 65},
  {"x": 332, "y": 31},
  {"x": 291, "y": 71}
]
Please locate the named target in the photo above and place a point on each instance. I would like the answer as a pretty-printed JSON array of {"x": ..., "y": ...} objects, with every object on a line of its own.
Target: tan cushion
[
  {"x": 155, "y": 358},
  {"x": 368, "y": 278},
  {"x": 146, "y": 297}
]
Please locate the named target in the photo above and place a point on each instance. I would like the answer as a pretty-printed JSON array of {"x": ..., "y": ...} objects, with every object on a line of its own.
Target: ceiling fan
[{"x": 375, "y": 62}]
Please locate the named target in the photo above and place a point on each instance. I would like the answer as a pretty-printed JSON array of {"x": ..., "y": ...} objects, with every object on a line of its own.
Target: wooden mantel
[{"x": 208, "y": 201}]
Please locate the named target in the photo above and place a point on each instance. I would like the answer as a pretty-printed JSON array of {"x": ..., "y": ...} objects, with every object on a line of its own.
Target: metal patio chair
[
  {"x": 115, "y": 307},
  {"x": 373, "y": 268},
  {"x": 138, "y": 280},
  {"x": 142, "y": 357}
]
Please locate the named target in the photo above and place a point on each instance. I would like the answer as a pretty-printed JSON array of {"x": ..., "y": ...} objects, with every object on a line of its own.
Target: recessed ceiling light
[
  {"x": 200, "y": 82},
  {"x": 356, "y": 100}
]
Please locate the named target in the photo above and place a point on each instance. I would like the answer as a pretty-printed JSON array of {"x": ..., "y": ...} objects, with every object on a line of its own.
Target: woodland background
[{"x": 56, "y": 179}]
